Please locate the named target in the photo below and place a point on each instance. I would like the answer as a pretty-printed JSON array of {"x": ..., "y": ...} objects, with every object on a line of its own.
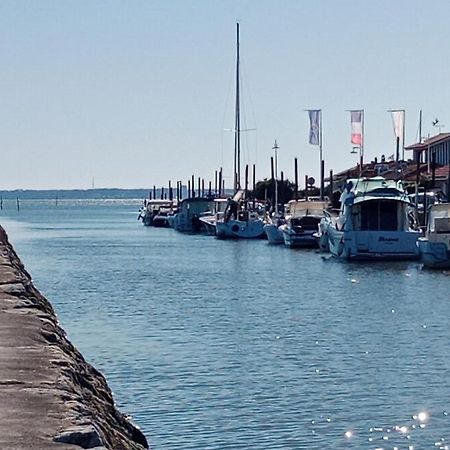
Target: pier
[{"x": 50, "y": 397}]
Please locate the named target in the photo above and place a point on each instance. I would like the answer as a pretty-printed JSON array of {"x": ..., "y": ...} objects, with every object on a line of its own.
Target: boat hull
[
  {"x": 373, "y": 245},
  {"x": 434, "y": 255},
  {"x": 237, "y": 229},
  {"x": 293, "y": 239},
  {"x": 273, "y": 233}
]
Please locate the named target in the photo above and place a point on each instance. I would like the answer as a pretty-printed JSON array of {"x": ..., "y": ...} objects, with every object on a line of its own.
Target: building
[{"x": 438, "y": 145}]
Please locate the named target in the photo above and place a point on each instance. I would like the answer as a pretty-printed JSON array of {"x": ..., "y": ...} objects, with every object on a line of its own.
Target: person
[{"x": 231, "y": 209}]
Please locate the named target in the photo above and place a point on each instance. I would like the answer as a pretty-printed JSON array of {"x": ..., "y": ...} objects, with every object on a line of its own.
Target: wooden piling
[
  {"x": 306, "y": 187},
  {"x": 322, "y": 179},
  {"x": 296, "y": 178}
]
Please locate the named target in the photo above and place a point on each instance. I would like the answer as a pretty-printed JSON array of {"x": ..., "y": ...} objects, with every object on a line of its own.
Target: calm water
[{"x": 239, "y": 345}]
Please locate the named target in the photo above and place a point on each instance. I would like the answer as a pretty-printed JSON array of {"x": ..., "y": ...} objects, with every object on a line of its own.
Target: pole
[
  {"x": 397, "y": 149},
  {"x": 321, "y": 158},
  {"x": 246, "y": 183},
  {"x": 403, "y": 136},
  {"x": 448, "y": 185},
  {"x": 433, "y": 170},
  {"x": 417, "y": 179},
  {"x": 306, "y": 187},
  {"x": 322, "y": 179},
  {"x": 420, "y": 127},
  {"x": 237, "y": 125},
  {"x": 272, "y": 173},
  {"x": 254, "y": 185},
  {"x": 362, "y": 141},
  {"x": 296, "y": 178},
  {"x": 331, "y": 185}
]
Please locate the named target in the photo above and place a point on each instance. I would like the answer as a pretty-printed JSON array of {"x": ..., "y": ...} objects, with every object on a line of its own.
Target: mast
[
  {"x": 237, "y": 124},
  {"x": 275, "y": 147}
]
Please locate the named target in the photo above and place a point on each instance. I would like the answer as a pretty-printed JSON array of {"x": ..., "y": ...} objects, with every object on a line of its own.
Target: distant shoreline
[{"x": 76, "y": 194}]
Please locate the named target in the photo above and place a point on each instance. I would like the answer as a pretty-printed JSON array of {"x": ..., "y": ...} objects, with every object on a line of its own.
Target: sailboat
[{"x": 238, "y": 221}]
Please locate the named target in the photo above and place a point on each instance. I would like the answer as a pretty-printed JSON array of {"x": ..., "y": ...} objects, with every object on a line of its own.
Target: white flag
[
  {"x": 398, "y": 120},
  {"x": 315, "y": 124}
]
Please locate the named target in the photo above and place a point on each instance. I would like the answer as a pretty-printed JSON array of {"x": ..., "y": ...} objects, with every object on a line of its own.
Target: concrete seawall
[{"x": 50, "y": 397}]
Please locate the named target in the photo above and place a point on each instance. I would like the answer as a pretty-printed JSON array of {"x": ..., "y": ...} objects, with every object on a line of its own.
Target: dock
[{"x": 50, "y": 397}]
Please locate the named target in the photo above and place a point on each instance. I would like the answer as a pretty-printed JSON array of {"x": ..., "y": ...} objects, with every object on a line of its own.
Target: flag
[
  {"x": 357, "y": 120},
  {"x": 398, "y": 120},
  {"x": 315, "y": 116}
]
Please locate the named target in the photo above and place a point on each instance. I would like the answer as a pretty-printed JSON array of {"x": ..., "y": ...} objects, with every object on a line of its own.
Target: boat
[
  {"x": 376, "y": 222},
  {"x": 302, "y": 223},
  {"x": 239, "y": 221},
  {"x": 187, "y": 219},
  {"x": 272, "y": 230},
  {"x": 434, "y": 247},
  {"x": 156, "y": 212},
  {"x": 274, "y": 221},
  {"x": 210, "y": 218},
  {"x": 321, "y": 233}
]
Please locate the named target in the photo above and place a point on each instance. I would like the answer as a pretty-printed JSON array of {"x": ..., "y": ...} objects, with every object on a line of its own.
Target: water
[{"x": 240, "y": 345}]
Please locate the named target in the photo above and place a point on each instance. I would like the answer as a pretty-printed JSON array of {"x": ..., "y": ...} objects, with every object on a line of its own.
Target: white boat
[
  {"x": 272, "y": 230},
  {"x": 210, "y": 218},
  {"x": 155, "y": 212},
  {"x": 302, "y": 223},
  {"x": 376, "y": 222},
  {"x": 321, "y": 234},
  {"x": 434, "y": 247},
  {"x": 187, "y": 219},
  {"x": 273, "y": 223}
]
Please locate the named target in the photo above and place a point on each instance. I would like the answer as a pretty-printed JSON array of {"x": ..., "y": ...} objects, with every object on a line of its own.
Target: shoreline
[{"x": 51, "y": 397}]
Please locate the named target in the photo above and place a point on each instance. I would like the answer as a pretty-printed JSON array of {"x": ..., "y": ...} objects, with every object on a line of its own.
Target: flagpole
[
  {"x": 361, "y": 157},
  {"x": 403, "y": 135},
  {"x": 321, "y": 158}
]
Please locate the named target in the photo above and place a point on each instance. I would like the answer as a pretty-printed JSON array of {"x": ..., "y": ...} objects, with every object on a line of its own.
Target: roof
[{"x": 441, "y": 137}]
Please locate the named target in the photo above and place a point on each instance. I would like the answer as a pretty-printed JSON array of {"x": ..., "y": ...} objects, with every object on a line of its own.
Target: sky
[{"x": 132, "y": 94}]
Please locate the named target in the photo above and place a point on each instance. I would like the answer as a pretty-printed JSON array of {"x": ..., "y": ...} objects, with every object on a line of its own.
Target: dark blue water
[{"x": 240, "y": 345}]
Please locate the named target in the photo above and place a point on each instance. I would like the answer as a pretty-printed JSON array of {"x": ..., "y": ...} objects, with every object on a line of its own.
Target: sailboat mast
[
  {"x": 275, "y": 147},
  {"x": 237, "y": 125}
]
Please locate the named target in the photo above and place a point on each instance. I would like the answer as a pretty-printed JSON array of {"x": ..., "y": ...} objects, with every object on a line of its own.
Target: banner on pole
[
  {"x": 315, "y": 124},
  {"x": 357, "y": 131},
  {"x": 398, "y": 121}
]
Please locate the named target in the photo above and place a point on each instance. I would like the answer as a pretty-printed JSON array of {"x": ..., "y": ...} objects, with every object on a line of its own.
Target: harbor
[
  {"x": 224, "y": 225},
  {"x": 191, "y": 331}
]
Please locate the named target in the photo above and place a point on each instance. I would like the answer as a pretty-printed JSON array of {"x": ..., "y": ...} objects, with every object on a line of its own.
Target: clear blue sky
[{"x": 135, "y": 93}]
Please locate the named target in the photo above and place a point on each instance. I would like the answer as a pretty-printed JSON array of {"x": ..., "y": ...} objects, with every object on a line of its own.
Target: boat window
[
  {"x": 442, "y": 224},
  {"x": 379, "y": 215}
]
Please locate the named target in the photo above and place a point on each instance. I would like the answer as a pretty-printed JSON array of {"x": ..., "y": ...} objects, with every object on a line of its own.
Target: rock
[
  {"x": 85, "y": 437},
  {"x": 49, "y": 394}
]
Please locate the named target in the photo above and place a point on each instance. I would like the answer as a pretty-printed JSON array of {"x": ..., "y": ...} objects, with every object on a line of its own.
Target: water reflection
[{"x": 225, "y": 345}]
